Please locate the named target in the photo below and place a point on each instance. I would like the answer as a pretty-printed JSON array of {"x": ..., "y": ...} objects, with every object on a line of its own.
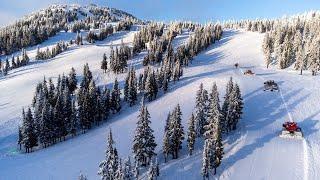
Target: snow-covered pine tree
[
  {"x": 105, "y": 100},
  {"x": 214, "y": 113},
  {"x": 144, "y": 142},
  {"x": 60, "y": 126},
  {"x": 225, "y": 106},
  {"x": 191, "y": 134},
  {"x": 177, "y": 71},
  {"x": 92, "y": 107},
  {"x": 151, "y": 87},
  {"x": 30, "y": 138},
  {"x": 20, "y": 137},
  {"x": 136, "y": 171},
  {"x": 67, "y": 110},
  {"x": 109, "y": 166},
  {"x": 267, "y": 49},
  {"x": 176, "y": 132},
  {"x": 300, "y": 58},
  {"x": 72, "y": 80},
  {"x": 119, "y": 173},
  {"x": 128, "y": 171},
  {"x": 206, "y": 155},
  {"x": 99, "y": 116},
  {"x": 166, "y": 147},
  {"x": 104, "y": 63},
  {"x": 238, "y": 103},
  {"x": 130, "y": 89},
  {"x": 74, "y": 123},
  {"x": 201, "y": 110},
  {"x": 152, "y": 175},
  {"x": 84, "y": 116},
  {"x": 87, "y": 76},
  {"x": 44, "y": 132},
  {"x": 218, "y": 148},
  {"x": 213, "y": 149},
  {"x": 115, "y": 97}
]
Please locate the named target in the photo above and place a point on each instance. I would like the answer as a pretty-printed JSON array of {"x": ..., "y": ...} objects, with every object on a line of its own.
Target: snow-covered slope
[{"x": 254, "y": 151}]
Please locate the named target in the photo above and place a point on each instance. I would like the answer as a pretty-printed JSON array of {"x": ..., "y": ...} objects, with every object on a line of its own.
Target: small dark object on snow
[
  {"x": 248, "y": 72},
  {"x": 236, "y": 65},
  {"x": 291, "y": 129},
  {"x": 270, "y": 85}
]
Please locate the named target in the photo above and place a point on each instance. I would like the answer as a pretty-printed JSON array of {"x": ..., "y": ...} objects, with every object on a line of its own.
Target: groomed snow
[{"x": 254, "y": 151}]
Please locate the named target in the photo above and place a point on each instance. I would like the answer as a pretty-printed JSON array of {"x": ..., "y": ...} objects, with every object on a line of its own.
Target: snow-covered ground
[{"x": 254, "y": 151}]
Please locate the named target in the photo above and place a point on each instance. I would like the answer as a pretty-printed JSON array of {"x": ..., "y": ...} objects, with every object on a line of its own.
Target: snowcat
[
  {"x": 271, "y": 86},
  {"x": 248, "y": 72},
  {"x": 291, "y": 130}
]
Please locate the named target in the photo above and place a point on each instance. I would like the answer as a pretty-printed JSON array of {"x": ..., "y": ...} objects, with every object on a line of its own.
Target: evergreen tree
[
  {"x": 115, "y": 97},
  {"x": 267, "y": 49},
  {"x": 72, "y": 80},
  {"x": 67, "y": 110},
  {"x": 136, "y": 171},
  {"x": 109, "y": 166},
  {"x": 20, "y": 137},
  {"x": 225, "y": 107},
  {"x": 151, "y": 87},
  {"x": 206, "y": 155},
  {"x": 28, "y": 131},
  {"x": 191, "y": 134},
  {"x": 128, "y": 171},
  {"x": 60, "y": 126},
  {"x": 218, "y": 150},
  {"x": 166, "y": 147},
  {"x": 201, "y": 110},
  {"x": 176, "y": 132},
  {"x": 151, "y": 172},
  {"x": 73, "y": 120},
  {"x": 214, "y": 114},
  {"x": 119, "y": 172},
  {"x": 44, "y": 125},
  {"x": 104, "y": 63},
  {"x": 144, "y": 141},
  {"x": 235, "y": 108},
  {"x": 300, "y": 60},
  {"x": 130, "y": 89}
]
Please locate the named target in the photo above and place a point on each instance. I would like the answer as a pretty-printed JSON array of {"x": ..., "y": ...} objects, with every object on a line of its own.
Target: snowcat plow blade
[{"x": 291, "y": 135}]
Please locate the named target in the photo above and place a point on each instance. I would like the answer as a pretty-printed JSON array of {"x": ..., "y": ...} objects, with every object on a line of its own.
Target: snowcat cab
[
  {"x": 248, "y": 72},
  {"x": 291, "y": 130},
  {"x": 270, "y": 86}
]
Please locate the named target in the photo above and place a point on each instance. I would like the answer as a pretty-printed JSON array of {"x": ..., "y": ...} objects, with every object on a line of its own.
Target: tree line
[
  {"x": 59, "y": 111},
  {"x": 107, "y": 30},
  {"x": 17, "y": 62},
  {"x": 47, "y": 54},
  {"x": 294, "y": 41},
  {"x": 290, "y": 41}
]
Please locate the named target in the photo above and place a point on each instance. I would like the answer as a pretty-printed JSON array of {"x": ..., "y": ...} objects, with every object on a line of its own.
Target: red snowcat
[{"x": 291, "y": 130}]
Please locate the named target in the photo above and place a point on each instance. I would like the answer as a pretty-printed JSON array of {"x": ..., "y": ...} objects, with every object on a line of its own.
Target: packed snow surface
[{"x": 253, "y": 151}]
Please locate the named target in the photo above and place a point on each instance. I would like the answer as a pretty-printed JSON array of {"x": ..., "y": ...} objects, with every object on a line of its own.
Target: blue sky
[{"x": 166, "y": 10}]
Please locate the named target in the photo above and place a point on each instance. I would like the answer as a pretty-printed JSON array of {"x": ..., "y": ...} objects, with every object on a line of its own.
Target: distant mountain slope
[{"x": 39, "y": 26}]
